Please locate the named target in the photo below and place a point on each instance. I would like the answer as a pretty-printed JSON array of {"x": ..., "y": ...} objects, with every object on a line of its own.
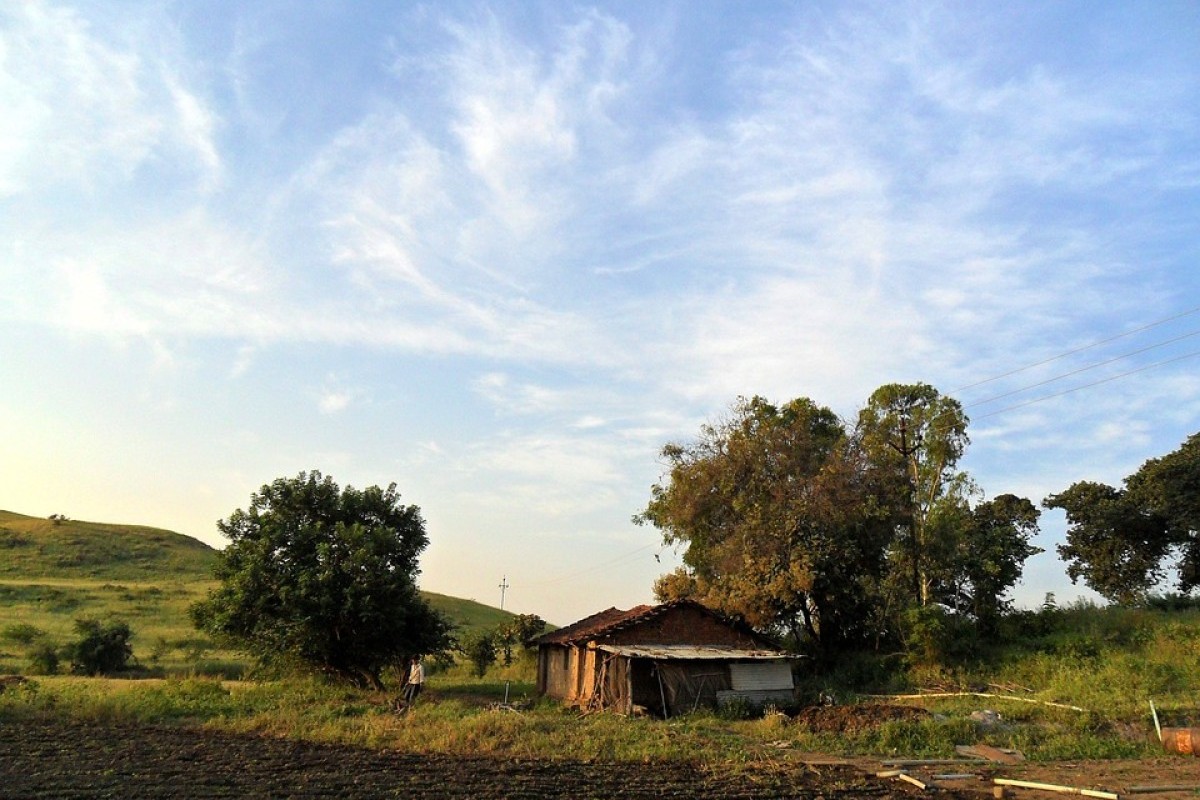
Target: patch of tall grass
[
  {"x": 458, "y": 719},
  {"x": 1109, "y": 662},
  {"x": 42, "y": 613}
]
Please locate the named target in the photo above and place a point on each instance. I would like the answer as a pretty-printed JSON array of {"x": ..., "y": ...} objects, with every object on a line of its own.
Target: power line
[
  {"x": 1085, "y": 348},
  {"x": 594, "y": 567},
  {"x": 1083, "y": 369},
  {"x": 1192, "y": 354}
]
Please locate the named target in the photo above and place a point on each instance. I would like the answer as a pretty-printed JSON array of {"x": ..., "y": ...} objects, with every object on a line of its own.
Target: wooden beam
[{"x": 1053, "y": 787}]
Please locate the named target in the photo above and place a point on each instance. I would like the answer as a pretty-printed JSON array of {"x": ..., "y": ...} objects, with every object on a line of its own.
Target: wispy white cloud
[
  {"x": 601, "y": 230},
  {"x": 87, "y": 113}
]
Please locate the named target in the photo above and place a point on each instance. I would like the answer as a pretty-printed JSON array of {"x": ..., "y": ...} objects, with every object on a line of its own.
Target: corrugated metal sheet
[
  {"x": 765, "y": 676},
  {"x": 688, "y": 652}
]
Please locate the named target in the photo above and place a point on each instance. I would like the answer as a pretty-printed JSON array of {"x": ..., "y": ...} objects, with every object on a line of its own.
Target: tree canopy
[
  {"x": 794, "y": 522},
  {"x": 324, "y": 578},
  {"x": 1120, "y": 542},
  {"x": 765, "y": 504},
  {"x": 914, "y": 430}
]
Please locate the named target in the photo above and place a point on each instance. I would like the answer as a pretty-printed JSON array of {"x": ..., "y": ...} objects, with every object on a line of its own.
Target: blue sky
[{"x": 501, "y": 253}]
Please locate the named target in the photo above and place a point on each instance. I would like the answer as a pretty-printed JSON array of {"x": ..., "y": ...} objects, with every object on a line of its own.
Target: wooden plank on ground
[
  {"x": 996, "y": 755},
  {"x": 1054, "y": 787}
]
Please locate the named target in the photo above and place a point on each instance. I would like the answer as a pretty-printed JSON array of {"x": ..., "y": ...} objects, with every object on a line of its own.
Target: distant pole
[{"x": 503, "y": 588}]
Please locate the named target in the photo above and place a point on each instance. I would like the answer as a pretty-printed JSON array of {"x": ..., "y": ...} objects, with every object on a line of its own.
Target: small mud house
[{"x": 667, "y": 660}]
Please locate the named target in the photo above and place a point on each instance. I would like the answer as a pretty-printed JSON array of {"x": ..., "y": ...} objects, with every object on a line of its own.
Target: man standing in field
[{"x": 416, "y": 681}]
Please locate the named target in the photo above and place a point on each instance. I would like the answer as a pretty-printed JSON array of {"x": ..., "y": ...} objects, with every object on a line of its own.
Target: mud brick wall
[{"x": 681, "y": 626}]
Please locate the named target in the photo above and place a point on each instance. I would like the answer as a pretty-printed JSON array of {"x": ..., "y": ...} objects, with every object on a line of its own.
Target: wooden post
[{"x": 662, "y": 692}]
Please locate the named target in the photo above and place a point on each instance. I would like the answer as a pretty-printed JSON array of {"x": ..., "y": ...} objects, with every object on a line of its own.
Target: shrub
[
  {"x": 100, "y": 649},
  {"x": 480, "y": 650},
  {"x": 43, "y": 660},
  {"x": 932, "y": 635},
  {"x": 22, "y": 633}
]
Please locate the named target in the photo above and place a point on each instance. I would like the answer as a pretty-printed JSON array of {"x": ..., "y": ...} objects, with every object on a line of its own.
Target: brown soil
[
  {"x": 56, "y": 759},
  {"x": 61, "y": 759}
]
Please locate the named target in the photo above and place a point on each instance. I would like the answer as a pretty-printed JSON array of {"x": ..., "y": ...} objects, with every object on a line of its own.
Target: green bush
[
  {"x": 933, "y": 635},
  {"x": 100, "y": 649},
  {"x": 22, "y": 633},
  {"x": 43, "y": 660},
  {"x": 480, "y": 649}
]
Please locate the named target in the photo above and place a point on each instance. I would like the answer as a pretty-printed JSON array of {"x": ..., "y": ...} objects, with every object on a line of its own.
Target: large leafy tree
[
  {"x": 324, "y": 578},
  {"x": 1119, "y": 541},
  {"x": 1114, "y": 547},
  {"x": 992, "y": 549},
  {"x": 919, "y": 434},
  {"x": 773, "y": 506},
  {"x": 1169, "y": 488},
  {"x": 793, "y": 522}
]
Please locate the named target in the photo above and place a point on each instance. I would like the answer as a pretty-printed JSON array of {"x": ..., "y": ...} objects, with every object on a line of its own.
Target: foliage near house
[{"x": 833, "y": 534}]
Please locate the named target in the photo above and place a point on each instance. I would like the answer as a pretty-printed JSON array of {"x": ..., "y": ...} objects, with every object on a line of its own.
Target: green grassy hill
[
  {"x": 32, "y": 547},
  {"x": 467, "y": 614},
  {"x": 53, "y": 572}
]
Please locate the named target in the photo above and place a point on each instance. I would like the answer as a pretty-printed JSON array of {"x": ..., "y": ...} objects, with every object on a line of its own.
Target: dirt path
[{"x": 55, "y": 759}]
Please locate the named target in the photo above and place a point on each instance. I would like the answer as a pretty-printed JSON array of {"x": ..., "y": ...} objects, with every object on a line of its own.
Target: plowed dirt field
[
  {"x": 56, "y": 759},
  {"x": 65, "y": 759}
]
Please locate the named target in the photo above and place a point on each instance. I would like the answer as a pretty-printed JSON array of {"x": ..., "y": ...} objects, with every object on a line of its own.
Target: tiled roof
[
  {"x": 590, "y": 627},
  {"x": 614, "y": 619}
]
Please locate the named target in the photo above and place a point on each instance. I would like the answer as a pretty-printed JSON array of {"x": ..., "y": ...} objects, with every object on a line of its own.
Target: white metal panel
[{"x": 760, "y": 676}]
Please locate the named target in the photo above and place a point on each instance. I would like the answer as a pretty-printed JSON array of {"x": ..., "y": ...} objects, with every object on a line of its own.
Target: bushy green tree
[
  {"x": 774, "y": 509},
  {"x": 1168, "y": 488},
  {"x": 324, "y": 578},
  {"x": 992, "y": 555},
  {"x": 794, "y": 523},
  {"x": 43, "y": 659},
  {"x": 523, "y": 627},
  {"x": 22, "y": 633},
  {"x": 480, "y": 648},
  {"x": 1111, "y": 546},
  {"x": 516, "y": 633},
  {"x": 1120, "y": 542},
  {"x": 101, "y": 649},
  {"x": 919, "y": 435}
]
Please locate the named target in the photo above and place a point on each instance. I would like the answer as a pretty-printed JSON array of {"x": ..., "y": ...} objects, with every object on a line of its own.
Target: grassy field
[
  {"x": 53, "y": 572},
  {"x": 457, "y": 716},
  {"x": 1077, "y": 686}
]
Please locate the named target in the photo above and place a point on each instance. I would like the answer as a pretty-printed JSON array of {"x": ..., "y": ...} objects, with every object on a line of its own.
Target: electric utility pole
[{"x": 503, "y": 589}]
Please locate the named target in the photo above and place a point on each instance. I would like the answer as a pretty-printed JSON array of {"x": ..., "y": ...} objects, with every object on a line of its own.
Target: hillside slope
[
  {"x": 53, "y": 572},
  {"x": 467, "y": 614},
  {"x": 32, "y": 547}
]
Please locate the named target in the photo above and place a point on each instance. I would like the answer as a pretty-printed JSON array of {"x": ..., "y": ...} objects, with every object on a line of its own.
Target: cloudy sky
[{"x": 501, "y": 253}]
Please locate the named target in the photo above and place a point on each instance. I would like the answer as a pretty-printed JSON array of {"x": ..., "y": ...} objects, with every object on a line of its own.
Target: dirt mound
[{"x": 847, "y": 719}]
